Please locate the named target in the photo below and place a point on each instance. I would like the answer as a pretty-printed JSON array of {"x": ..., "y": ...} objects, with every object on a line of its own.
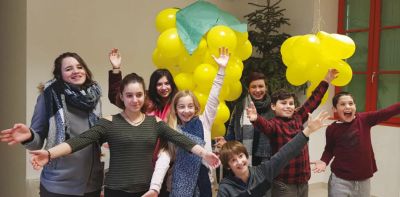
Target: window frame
[{"x": 372, "y": 73}]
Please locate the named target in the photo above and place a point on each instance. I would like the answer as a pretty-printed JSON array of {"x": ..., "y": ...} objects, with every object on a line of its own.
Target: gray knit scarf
[
  {"x": 57, "y": 96},
  {"x": 255, "y": 142}
]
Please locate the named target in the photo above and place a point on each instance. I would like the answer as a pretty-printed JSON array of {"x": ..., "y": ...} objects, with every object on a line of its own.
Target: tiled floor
[{"x": 315, "y": 190}]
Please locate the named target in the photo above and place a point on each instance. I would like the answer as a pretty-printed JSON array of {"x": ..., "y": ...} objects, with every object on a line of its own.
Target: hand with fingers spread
[
  {"x": 19, "y": 133},
  {"x": 319, "y": 166},
  {"x": 212, "y": 160},
  {"x": 223, "y": 58},
  {"x": 315, "y": 123},
  {"x": 251, "y": 112},
  {"x": 331, "y": 75},
  {"x": 115, "y": 58},
  {"x": 39, "y": 158}
]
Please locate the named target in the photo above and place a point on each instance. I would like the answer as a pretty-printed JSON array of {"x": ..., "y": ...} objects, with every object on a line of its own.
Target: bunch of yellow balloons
[
  {"x": 197, "y": 71},
  {"x": 308, "y": 58}
]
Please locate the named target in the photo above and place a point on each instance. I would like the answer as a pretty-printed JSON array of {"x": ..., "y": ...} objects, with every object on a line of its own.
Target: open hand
[
  {"x": 319, "y": 166},
  {"x": 223, "y": 58},
  {"x": 212, "y": 159},
  {"x": 115, "y": 58},
  {"x": 251, "y": 112},
  {"x": 39, "y": 158},
  {"x": 19, "y": 133},
  {"x": 331, "y": 75}
]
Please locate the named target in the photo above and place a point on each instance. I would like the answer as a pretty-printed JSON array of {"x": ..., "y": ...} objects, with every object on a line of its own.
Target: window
[{"x": 375, "y": 28}]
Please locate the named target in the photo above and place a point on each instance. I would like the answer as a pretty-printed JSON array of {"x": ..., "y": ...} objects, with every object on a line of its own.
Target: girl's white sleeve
[
  {"x": 210, "y": 110},
  {"x": 160, "y": 169}
]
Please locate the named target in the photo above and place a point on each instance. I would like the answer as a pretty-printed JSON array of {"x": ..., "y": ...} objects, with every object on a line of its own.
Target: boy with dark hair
[
  {"x": 243, "y": 180},
  {"x": 287, "y": 123},
  {"x": 349, "y": 141}
]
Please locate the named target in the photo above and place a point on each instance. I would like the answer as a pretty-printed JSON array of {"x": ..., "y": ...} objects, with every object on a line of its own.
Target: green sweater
[{"x": 131, "y": 149}]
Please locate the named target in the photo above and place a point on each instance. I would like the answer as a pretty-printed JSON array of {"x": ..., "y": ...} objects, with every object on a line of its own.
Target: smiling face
[
  {"x": 133, "y": 96},
  {"x": 345, "y": 108},
  {"x": 185, "y": 109},
  {"x": 163, "y": 87},
  {"x": 257, "y": 89},
  {"x": 72, "y": 71},
  {"x": 239, "y": 164},
  {"x": 284, "y": 108}
]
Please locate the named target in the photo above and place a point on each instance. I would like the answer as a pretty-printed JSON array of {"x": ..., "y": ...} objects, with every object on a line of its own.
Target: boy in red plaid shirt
[{"x": 287, "y": 123}]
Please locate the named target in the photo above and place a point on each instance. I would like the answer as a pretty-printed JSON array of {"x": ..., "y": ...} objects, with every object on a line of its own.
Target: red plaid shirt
[{"x": 281, "y": 130}]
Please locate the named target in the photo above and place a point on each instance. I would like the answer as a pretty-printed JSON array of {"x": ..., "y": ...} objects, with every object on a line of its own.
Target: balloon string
[{"x": 317, "y": 17}]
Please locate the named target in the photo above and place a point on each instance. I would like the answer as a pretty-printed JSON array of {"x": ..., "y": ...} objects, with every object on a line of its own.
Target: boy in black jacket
[{"x": 253, "y": 181}]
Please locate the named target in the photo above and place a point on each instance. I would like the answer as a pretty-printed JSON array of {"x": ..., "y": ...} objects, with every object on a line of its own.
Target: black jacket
[{"x": 261, "y": 176}]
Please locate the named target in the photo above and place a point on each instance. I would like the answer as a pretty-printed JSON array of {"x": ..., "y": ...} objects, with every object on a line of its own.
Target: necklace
[{"x": 134, "y": 123}]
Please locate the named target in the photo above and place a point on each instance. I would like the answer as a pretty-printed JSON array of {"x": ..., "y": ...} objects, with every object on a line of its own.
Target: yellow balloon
[
  {"x": 312, "y": 87},
  {"x": 188, "y": 63},
  {"x": 204, "y": 74},
  {"x": 345, "y": 73},
  {"x": 244, "y": 51},
  {"x": 221, "y": 36},
  {"x": 287, "y": 50},
  {"x": 316, "y": 72},
  {"x": 169, "y": 44},
  {"x": 202, "y": 47},
  {"x": 336, "y": 46},
  {"x": 241, "y": 37},
  {"x": 295, "y": 76},
  {"x": 166, "y": 19},
  {"x": 208, "y": 59},
  {"x": 235, "y": 90},
  {"x": 202, "y": 98},
  {"x": 222, "y": 113},
  {"x": 224, "y": 93},
  {"x": 218, "y": 129},
  {"x": 233, "y": 70},
  {"x": 161, "y": 61},
  {"x": 184, "y": 81},
  {"x": 306, "y": 49}
]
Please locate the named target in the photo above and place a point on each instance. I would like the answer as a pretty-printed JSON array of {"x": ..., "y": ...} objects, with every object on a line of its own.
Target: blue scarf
[
  {"x": 186, "y": 170},
  {"x": 57, "y": 95}
]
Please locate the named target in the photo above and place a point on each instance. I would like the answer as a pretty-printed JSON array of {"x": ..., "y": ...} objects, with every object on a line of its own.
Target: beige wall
[
  {"x": 13, "y": 97},
  {"x": 91, "y": 28}
]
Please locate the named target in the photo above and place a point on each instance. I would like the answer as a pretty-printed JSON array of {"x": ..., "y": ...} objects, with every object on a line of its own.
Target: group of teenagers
[{"x": 160, "y": 143}]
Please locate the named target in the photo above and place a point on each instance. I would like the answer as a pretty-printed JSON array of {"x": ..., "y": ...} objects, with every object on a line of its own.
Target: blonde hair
[{"x": 173, "y": 119}]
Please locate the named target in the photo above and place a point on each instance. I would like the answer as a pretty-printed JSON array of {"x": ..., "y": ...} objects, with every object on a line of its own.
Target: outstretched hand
[
  {"x": 115, "y": 58},
  {"x": 251, "y": 112},
  {"x": 331, "y": 75},
  {"x": 316, "y": 123},
  {"x": 319, "y": 166},
  {"x": 19, "y": 133},
  {"x": 223, "y": 58},
  {"x": 39, "y": 158},
  {"x": 212, "y": 160}
]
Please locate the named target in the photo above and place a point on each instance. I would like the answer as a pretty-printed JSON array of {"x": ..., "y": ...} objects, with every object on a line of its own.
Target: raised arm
[
  {"x": 210, "y": 110},
  {"x": 375, "y": 117},
  {"x": 114, "y": 75},
  {"x": 314, "y": 100},
  {"x": 294, "y": 147}
]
